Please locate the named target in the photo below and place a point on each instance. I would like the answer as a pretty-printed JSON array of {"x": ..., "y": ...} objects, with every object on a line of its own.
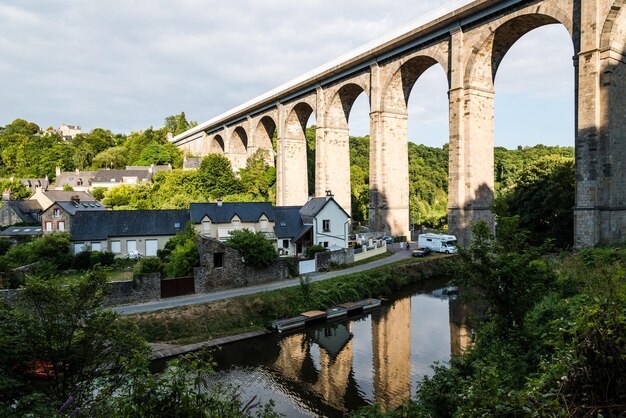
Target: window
[
  {"x": 79, "y": 248},
  {"x": 326, "y": 225},
  {"x": 116, "y": 247},
  {"x": 263, "y": 225},
  {"x": 56, "y": 212},
  {"x": 96, "y": 246},
  {"x": 285, "y": 243},
  {"x": 206, "y": 227},
  {"x": 218, "y": 260},
  {"x": 131, "y": 245},
  {"x": 152, "y": 245},
  {"x": 325, "y": 244},
  {"x": 61, "y": 226},
  {"x": 48, "y": 226}
]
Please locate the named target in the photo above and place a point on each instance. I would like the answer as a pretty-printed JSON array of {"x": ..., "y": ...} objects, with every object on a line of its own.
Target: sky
[{"x": 125, "y": 65}]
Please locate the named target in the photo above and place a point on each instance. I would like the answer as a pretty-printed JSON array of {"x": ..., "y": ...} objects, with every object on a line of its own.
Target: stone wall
[
  {"x": 9, "y": 296},
  {"x": 324, "y": 260},
  {"x": 233, "y": 272},
  {"x": 143, "y": 288}
]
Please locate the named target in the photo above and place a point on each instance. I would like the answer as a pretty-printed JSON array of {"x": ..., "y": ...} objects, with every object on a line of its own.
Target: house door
[{"x": 151, "y": 247}]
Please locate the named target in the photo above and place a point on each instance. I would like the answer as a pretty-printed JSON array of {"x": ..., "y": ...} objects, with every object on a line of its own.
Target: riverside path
[{"x": 232, "y": 293}]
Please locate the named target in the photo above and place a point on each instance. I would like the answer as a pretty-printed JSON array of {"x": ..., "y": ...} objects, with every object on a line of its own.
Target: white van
[{"x": 438, "y": 242}]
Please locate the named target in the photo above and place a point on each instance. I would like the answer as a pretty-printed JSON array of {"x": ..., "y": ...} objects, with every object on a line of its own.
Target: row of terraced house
[{"x": 92, "y": 227}]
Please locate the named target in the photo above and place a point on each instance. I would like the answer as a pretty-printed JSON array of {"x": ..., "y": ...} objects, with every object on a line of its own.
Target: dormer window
[{"x": 56, "y": 212}]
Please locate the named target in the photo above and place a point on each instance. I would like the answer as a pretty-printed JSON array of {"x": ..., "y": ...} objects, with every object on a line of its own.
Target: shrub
[
  {"x": 255, "y": 249},
  {"x": 182, "y": 260},
  {"x": 314, "y": 249},
  {"x": 148, "y": 265}
]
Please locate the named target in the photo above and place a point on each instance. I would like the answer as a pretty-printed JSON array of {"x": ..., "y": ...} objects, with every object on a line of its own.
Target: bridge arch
[
  {"x": 216, "y": 145},
  {"x": 398, "y": 88},
  {"x": 498, "y": 38},
  {"x": 614, "y": 29},
  {"x": 265, "y": 130},
  {"x": 292, "y": 174},
  {"x": 338, "y": 111},
  {"x": 239, "y": 141}
]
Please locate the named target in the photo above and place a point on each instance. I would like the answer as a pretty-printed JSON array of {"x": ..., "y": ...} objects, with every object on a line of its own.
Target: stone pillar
[
  {"x": 389, "y": 167},
  {"x": 471, "y": 160},
  {"x": 332, "y": 156},
  {"x": 291, "y": 164}
]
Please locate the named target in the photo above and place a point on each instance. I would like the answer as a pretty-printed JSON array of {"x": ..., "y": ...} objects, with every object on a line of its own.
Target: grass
[
  {"x": 190, "y": 324},
  {"x": 358, "y": 263},
  {"x": 120, "y": 272}
]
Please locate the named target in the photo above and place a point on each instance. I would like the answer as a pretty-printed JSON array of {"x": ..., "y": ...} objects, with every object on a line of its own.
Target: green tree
[
  {"x": 543, "y": 198},
  {"x": 258, "y": 178},
  {"x": 255, "y": 249},
  {"x": 20, "y": 191},
  {"x": 114, "y": 157},
  {"x": 177, "y": 124},
  {"x": 180, "y": 254},
  {"x": 184, "y": 389},
  {"x": 217, "y": 177},
  {"x": 66, "y": 334}
]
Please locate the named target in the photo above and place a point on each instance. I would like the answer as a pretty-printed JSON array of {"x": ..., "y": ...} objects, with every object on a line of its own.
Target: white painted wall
[{"x": 339, "y": 224}]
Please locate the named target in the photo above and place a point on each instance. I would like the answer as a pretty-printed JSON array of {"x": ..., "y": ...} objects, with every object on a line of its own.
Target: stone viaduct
[{"x": 469, "y": 40}]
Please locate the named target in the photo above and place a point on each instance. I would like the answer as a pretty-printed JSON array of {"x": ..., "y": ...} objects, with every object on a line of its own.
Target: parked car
[
  {"x": 387, "y": 239},
  {"x": 133, "y": 255},
  {"x": 421, "y": 252}
]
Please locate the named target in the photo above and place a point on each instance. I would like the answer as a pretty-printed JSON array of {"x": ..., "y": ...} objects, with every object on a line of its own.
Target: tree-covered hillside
[{"x": 27, "y": 151}]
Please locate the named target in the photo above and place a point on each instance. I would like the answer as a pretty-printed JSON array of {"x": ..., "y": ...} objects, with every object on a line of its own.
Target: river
[{"x": 336, "y": 368}]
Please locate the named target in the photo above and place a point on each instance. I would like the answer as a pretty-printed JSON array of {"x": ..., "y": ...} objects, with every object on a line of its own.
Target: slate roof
[
  {"x": 66, "y": 196},
  {"x": 288, "y": 221},
  {"x": 72, "y": 208},
  {"x": 26, "y": 210},
  {"x": 117, "y": 176},
  {"x": 314, "y": 206},
  {"x": 71, "y": 178},
  {"x": 21, "y": 231},
  {"x": 246, "y": 211},
  {"x": 100, "y": 225},
  {"x": 33, "y": 183}
]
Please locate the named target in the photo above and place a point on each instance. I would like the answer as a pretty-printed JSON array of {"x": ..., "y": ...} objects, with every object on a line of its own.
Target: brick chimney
[{"x": 75, "y": 199}]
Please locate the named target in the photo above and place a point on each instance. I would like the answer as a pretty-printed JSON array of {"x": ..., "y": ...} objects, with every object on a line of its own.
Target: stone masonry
[
  {"x": 222, "y": 267},
  {"x": 469, "y": 45}
]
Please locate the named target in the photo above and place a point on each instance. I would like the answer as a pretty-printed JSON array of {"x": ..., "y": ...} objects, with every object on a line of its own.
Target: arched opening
[
  {"x": 293, "y": 184},
  {"x": 359, "y": 130},
  {"x": 428, "y": 148},
  {"x": 216, "y": 145},
  {"x": 336, "y": 149},
  {"x": 389, "y": 177},
  {"x": 534, "y": 124},
  {"x": 238, "y": 149},
  {"x": 264, "y": 138}
]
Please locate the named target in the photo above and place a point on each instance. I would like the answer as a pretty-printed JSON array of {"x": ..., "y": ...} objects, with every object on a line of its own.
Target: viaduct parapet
[{"x": 469, "y": 41}]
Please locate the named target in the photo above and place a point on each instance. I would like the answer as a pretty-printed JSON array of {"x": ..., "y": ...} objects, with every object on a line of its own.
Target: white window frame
[
  {"x": 61, "y": 226},
  {"x": 48, "y": 226},
  {"x": 118, "y": 244}
]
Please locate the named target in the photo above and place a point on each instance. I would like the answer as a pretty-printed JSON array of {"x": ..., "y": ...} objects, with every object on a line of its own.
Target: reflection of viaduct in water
[{"x": 320, "y": 361}]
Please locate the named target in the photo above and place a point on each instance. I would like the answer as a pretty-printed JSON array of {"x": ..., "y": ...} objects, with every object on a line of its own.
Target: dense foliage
[
  {"x": 255, "y": 249},
  {"x": 61, "y": 334},
  {"x": 180, "y": 254},
  {"x": 543, "y": 199},
  {"x": 556, "y": 348},
  {"x": 63, "y": 354},
  {"x": 28, "y": 151}
]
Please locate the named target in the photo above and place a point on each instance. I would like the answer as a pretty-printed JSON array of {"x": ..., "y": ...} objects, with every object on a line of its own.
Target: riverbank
[{"x": 204, "y": 322}]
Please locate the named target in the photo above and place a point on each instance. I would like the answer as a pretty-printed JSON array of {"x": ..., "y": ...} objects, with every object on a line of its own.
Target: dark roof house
[
  {"x": 100, "y": 225},
  {"x": 226, "y": 211}
]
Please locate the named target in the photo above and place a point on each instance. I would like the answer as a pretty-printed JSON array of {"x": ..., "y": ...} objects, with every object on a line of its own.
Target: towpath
[{"x": 399, "y": 254}]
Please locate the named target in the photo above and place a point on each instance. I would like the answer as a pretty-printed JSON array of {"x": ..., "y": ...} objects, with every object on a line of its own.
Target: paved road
[{"x": 231, "y": 293}]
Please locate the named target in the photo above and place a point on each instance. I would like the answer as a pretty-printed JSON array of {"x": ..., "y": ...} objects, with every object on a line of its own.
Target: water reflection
[{"x": 337, "y": 368}]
